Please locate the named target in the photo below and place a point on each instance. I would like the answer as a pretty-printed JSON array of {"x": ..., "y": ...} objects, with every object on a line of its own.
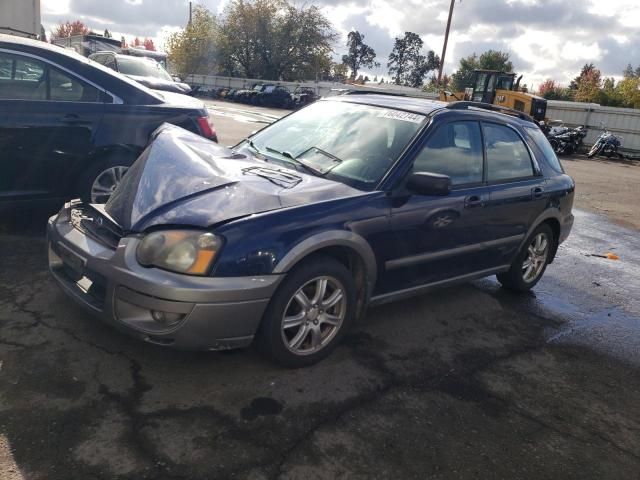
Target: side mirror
[{"x": 425, "y": 183}]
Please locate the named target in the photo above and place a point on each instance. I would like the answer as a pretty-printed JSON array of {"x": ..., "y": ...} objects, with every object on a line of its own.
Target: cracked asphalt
[{"x": 467, "y": 382}]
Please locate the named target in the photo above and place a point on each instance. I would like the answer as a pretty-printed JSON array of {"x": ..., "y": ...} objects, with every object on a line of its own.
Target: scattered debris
[{"x": 608, "y": 256}]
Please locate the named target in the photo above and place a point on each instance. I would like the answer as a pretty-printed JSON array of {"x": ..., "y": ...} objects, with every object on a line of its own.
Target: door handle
[
  {"x": 473, "y": 201},
  {"x": 537, "y": 192}
]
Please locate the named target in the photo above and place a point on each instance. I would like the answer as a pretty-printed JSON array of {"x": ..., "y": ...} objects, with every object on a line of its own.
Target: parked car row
[
  {"x": 264, "y": 94},
  {"x": 71, "y": 127}
]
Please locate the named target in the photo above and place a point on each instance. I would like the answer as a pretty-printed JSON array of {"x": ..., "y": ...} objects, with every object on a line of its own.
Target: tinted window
[
  {"x": 109, "y": 61},
  {"x": 454, "y": 150},
  {"x": 546, "y": 148},
  {"x": 142, "y": 67},
  {"x": 507, "y": 155},
  {"x": 22, "y": 78},
  {"x": 65, "y": 88}
]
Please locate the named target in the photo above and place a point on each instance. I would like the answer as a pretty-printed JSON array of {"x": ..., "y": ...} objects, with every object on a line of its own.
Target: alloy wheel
[
  {"x": 536, "y": 258},
  {"x": 314, "y": 315},
  {"x": 106, "y": 182}
]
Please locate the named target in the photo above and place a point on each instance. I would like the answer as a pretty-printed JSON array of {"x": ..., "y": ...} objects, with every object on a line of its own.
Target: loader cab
[{"x": 484, "y": 84}]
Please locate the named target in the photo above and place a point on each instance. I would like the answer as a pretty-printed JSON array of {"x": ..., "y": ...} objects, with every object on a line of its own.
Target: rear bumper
[{"x": 201, "y": 313}]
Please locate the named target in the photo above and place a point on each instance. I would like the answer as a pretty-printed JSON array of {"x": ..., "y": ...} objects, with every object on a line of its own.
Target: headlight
[{"x": 183, "y": 251}]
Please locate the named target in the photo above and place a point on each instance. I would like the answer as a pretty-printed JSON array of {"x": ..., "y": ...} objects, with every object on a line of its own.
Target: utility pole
[
  {"x": 446, "y": 40},
  {"x": 191, "y": 12}
]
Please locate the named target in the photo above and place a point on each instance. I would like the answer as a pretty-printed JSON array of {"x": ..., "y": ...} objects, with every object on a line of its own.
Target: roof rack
[
  {"x": 374, "y": 92},
  {"x": 465, "y": 105}
]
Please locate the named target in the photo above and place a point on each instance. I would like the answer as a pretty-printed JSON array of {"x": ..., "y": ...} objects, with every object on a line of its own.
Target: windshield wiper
[{"x": 295, "y": 161}]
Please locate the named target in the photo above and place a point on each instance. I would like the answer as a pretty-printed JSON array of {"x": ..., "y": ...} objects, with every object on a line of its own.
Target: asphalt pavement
[{"x": 467, "y": 382}]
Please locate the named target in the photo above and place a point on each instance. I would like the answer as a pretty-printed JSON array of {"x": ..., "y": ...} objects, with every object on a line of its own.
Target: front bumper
[{"x": 200, "y": 313}]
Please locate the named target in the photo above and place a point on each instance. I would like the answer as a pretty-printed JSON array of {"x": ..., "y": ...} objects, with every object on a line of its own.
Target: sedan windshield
[
  {"x": 142, "y": 68},
  {"x": 347, "y": 142}
]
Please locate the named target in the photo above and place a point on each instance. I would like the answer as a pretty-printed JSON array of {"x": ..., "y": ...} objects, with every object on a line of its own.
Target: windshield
[
  {"x": 142, "y": 68},
  {"x": 348, "y": 142}
]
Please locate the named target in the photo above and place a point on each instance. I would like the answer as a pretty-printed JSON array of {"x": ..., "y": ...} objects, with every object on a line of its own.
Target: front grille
[{"x": 95, "y": 224}]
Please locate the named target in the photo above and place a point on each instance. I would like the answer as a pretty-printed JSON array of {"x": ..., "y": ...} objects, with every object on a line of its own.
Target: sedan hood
[{"x": 184, "y": 179}]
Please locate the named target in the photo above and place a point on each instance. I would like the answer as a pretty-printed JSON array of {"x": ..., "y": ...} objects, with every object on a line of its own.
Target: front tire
[
  {"x": 531, "y": 262},
  {"x": 595, "y": 150},
  {"x": 309, "y": 313}
]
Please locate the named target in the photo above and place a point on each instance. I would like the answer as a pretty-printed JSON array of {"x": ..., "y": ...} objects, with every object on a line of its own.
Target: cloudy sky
[{"x": 546, "y": 38}]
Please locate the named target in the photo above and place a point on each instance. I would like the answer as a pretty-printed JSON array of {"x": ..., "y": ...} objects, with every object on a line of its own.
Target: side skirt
[{"x": 420, "y": 289}]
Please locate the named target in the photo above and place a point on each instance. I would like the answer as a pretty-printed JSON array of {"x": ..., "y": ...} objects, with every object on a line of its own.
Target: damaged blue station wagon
[{"x": 352, "y": 201}]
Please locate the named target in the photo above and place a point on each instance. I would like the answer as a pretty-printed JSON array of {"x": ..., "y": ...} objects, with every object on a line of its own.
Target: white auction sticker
[{"x": 399, "y": 115}]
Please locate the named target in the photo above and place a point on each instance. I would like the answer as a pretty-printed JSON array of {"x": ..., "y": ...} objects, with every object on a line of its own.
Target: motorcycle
[
  {"x": 606, "y": 144},
  {"x": 566, "y": 141}
]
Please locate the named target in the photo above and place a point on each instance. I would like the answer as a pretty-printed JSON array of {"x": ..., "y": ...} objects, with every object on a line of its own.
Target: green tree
[
  {"x": 609, "y": 94},
  {"x": 629, "y": 91},
  {"x": 193, "y": 49},
  {"x": 489, "y": 60},
  {"x": 360, "y": 54},
  {"x": 274, "y": 39},
  {"x": 407, "y": 65}
]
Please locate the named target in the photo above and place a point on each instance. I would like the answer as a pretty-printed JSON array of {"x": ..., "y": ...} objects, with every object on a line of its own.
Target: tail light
[{"x": 206, "y": 128}]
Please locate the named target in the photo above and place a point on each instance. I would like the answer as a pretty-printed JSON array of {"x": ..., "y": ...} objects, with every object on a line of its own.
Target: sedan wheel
[
  {"x": 106, "y": 182},
  {"x": 314, "y": 315}
]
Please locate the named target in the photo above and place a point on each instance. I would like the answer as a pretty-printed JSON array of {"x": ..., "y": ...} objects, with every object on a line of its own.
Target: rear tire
[
  {"x": 531, "y": 262},
  {"x": 309, "y": 313},
  {"x": 96, "y": 183}
]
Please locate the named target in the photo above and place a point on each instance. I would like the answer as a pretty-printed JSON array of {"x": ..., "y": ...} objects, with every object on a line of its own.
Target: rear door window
[
  {"x": 507, "y": 155},
  {"x": 24, "y": 78},
  {"x": 545, "y": 147}
]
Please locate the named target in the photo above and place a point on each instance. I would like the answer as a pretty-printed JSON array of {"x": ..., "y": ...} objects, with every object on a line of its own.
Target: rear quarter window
[{"x": 545, "y": 147}]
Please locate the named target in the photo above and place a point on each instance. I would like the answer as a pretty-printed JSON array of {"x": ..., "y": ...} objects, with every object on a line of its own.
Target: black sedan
[{"x": 70, "y": 127}]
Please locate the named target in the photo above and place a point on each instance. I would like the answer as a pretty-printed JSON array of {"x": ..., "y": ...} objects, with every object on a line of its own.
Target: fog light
[{"x": 166, "y": 318}]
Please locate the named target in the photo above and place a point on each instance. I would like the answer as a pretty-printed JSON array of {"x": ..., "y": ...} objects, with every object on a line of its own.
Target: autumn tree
[
  {"x": 359, "y": 54},
  {"x": 275, "y": 39},
  {"x": 489, "y": 60},
  {"x": 149, "y": 45},
  {"x": 123, "y": 42},
  {"x": 107, "y": 34},
  {"x": 67, "y": 29},
  {"x": 551, "y": 90},
  {"x": 588, "y": 86},
  {"x": 136, "y": 42},
  {"x": 193, "y": 49}
]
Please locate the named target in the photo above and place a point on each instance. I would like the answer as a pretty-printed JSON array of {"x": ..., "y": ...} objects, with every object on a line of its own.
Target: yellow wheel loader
[{"x": 500, "y": 89}]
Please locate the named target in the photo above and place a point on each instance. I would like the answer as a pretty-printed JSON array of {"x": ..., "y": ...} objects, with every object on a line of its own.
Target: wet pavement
[{"x": 467, "y": 382}]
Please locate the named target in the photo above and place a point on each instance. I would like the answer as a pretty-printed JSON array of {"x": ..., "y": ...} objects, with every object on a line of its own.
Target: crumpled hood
[{"x": 185, "y": 179}]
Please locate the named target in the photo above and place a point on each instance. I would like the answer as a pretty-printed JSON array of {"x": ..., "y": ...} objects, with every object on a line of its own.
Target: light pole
[{"x": 446, "y": 39}]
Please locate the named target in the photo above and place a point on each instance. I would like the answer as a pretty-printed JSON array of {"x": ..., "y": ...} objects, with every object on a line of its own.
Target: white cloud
[{"x": 546, "y": 39}]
